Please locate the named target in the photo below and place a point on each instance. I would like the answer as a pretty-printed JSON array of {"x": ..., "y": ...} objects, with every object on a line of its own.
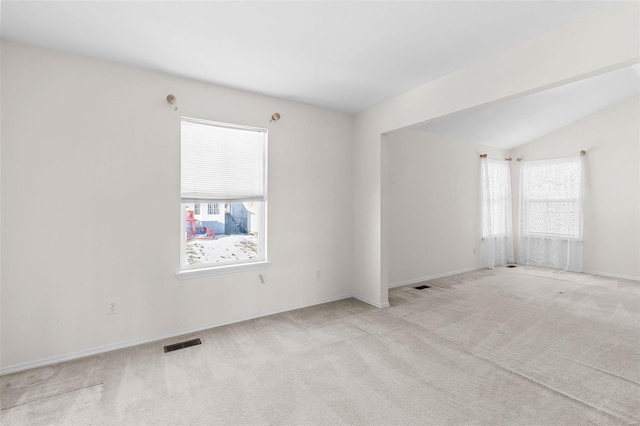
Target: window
[
  {"x": 550, "y": 197},
  {"x": 196, "y": 209},
  {"x": 497, "y": 222},
  {"x": 551, "y": 213},
  {"x": 222, "y": 164}
]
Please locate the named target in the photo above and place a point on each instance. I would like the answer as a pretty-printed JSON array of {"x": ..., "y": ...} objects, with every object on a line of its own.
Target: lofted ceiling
[
  {"x": 512, "y": 123},
  {"x": 345, "y": 56}
]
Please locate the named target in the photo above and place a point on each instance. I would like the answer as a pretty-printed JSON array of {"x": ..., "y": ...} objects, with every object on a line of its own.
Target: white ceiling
[
  {"x": 512, "y": 123},
  {"x": 345, "y": 56}
]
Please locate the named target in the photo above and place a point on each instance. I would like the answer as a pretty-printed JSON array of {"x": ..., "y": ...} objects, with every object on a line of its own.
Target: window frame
[
  {"x": 526, "y": 201},
  {"x": 186, "y": 270}
]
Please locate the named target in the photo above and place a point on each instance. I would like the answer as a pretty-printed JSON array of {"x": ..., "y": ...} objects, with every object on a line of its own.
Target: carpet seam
[
  {"x": 618, "y": 417},
  {"x": 52, "y": 396},
  {"x": 605, "y": 372}
]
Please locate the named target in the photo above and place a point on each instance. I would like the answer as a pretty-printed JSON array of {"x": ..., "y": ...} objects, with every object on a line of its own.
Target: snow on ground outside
[{"x": 224, "y": 248}]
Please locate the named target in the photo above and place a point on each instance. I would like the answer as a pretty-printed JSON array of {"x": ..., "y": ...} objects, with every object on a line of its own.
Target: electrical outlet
[{"x": 112, "y": 307}]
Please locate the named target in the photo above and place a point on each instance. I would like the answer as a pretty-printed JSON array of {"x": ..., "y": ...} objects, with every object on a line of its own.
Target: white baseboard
[
  {"x": 608, "y": 274},
  {"x": 372, "y": 303},
  {"x": 433, "y": 277},
  {"x": 122, "y": 345}
]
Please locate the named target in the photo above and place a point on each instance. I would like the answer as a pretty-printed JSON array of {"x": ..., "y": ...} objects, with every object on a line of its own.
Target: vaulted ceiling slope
[
  {"x": 345, "y": 56},
  {"x": 512, "y": 123}
]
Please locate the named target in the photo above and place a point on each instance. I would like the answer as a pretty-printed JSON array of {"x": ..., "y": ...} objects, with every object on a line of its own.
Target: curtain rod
[{"x": 583, "y": 152}]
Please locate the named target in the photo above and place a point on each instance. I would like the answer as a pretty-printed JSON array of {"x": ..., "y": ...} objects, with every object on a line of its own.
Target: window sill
[{"x": 219, "y": 270}]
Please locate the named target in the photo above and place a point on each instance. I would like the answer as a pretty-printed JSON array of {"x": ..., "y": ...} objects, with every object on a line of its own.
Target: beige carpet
[{"x": 505, "y": 347}]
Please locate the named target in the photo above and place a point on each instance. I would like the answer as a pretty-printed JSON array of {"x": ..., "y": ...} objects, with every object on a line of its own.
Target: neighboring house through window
[{"x": 222, "y": 164}]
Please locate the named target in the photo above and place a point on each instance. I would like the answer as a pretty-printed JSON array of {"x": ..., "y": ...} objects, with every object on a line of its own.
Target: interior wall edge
[{"x": 371, "y": 302}]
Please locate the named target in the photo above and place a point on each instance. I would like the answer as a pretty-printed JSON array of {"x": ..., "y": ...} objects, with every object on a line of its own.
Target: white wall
[
  {"x": 434, "y": 218},
  {"x": 606, "y": 40},
  {"x": 88, "y": 143},
  {"x": 611, "y": 138}
]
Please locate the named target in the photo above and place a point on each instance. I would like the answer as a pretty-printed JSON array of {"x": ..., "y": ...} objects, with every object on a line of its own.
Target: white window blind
[{"x": 222, "y": 162}]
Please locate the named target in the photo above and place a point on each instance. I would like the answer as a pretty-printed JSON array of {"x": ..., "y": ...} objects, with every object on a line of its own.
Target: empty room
[{"x": 320, "y": 213}]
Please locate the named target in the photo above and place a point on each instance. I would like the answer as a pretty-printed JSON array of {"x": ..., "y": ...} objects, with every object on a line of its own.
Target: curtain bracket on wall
[
  {"x": 172, "y": 100},
  {"x": 483, "y": 155}
]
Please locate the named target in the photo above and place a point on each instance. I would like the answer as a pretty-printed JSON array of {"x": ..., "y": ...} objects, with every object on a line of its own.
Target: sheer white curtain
[
  {"x": 497, "y": 221},
  {"x": 550, "y": 231}
]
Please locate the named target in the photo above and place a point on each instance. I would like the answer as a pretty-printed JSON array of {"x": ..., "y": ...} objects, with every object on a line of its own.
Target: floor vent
[
  {"x": 422, "y": 287},
  {"x": 176, "y": 346},
  {"x": 511, "y": 266}
]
